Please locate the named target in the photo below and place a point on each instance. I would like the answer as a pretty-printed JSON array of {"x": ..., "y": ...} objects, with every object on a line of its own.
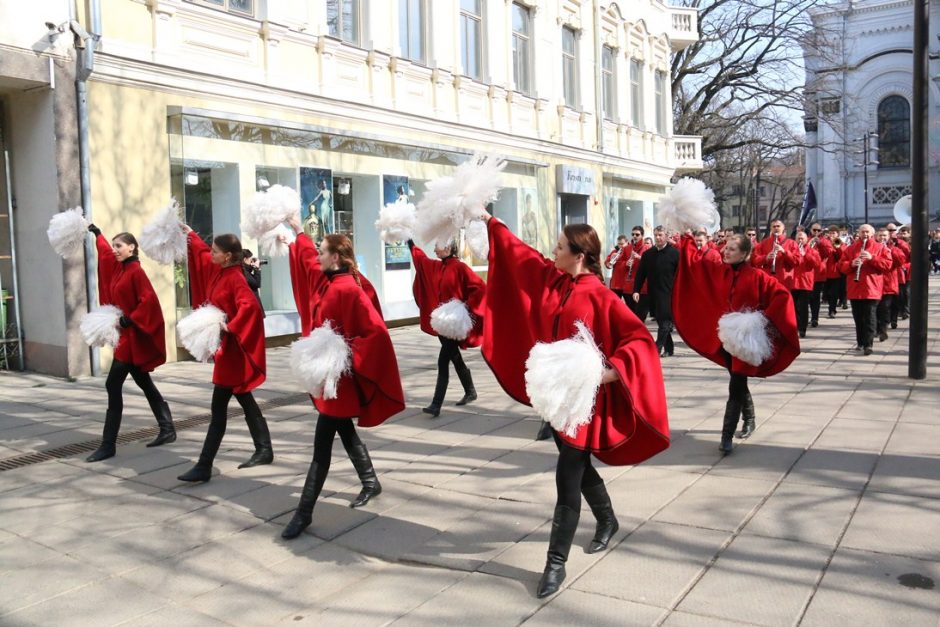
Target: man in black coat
[
  {"x": 251, "y": 266},
  {"x": 658, "y": 266}
]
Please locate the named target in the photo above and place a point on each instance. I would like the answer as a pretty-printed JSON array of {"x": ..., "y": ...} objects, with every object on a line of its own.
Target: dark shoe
[
  {"x": 167, "y": 430},
  {"x": 434, "y": 411},
  {"x": 264, "y": 452},
  {"x": 108, "y": 446},
  {"x": 564, "y": 524},
  {"x": 894, "y": 325},
  {"x": 545, "y": 431},
  {"x": 730, "y": 423},
  {"x": 359, "y": 456},
  {"x": 469, "y": 397},
  {"x": 832, "y": 315},
  {"x": 882, "y": 336},
  {"x": 662, "y": 352},
  {"x": 845, "y": 306},
  {"x": 802, "y": 333},
  {"x": 749, "y": 418},
  {"x": 607, "y": 525},
  {"x": 904, "y": 316},
  {"x": 105, "y": 451},
  {"x": 303, "y": 516},
  {"x": 197, "y": 474},
  {"x": 814, "y": 323},
  {"x": 867, "y": 351}
]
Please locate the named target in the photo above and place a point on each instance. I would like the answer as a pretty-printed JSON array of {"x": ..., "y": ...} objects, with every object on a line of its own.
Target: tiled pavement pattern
[{"x": 829, "y": 514}]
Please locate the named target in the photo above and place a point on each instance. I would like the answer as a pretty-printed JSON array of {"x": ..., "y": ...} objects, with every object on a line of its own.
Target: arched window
[{"x": 894, "y": 133}]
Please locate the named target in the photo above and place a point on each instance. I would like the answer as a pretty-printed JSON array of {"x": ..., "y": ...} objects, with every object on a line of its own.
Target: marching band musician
[{"x": 865, "y": 261}]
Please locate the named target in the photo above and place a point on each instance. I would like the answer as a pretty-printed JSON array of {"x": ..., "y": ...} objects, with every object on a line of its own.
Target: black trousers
[
  {"x": 801, "y": 305},
  {"x": 833, "y": 288},
  {"x": 220, "y": 400},
  {"x": 641, "y": 308},
  {"x": 115, "y": 387},
  {"x": 664, "y": 334},
  {"x": 450, "y": 354},
  {"x": 573, "y": 473},
  {"x": 737, "y": 388},
  {"x": 886, "y": 306},
  {"x": 843, "y": 298},
  {"x": 904, "y": 299},
  {"x": 327, "y": 428},
  {"x": 865, "y": 313},
  {"x": 815, "y": 300}
]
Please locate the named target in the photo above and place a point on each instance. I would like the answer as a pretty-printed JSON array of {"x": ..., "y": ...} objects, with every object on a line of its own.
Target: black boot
[
  {"x": 564, "y": 524},
  {"x": 167, "y": 430},
  {"x": 466, "y": 380},
  {"x": 108, "y": 446},
  {"x": 200, "y": 473},
  {"x": 359, "y": 456},
  {"x": 264, "y": 453},
  {"x": 748, "y": 417},
  {"x": 303, "y": 516},
  {"x": 440, "y": 388},
  {"x": 607, "y": 525},
  {"x": 732, "y": 412},
  {"x": 545, "y": 431}
]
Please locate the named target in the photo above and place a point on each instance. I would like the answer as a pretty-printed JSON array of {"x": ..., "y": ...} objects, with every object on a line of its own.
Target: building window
[
  {"x": 569, "y": 66},
  {"x": 894, "y": 133},
  {"x": 342, "y": 18},
  {"x": 412, "y": 21},
  {"x": 521, "y": 48},
  {"x": 239, "y": 7},
  {"x": 735, "y": 211},
  {"x": 636, "y": 93},
  {"x": 830, "y": 106},
  {"x": 660, "y": 86},
  {"x": 471, "y": 43},
  {"x": 608, "y": 83}
]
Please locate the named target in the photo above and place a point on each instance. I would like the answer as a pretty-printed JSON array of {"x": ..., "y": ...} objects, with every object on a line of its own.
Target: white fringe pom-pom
[
  {"x": 396, "y": 222},
  {"x": 478, "y": 238},
  {"x": 688, "y": 205},
  {"x": 562, "y": 379},
  {"x": 320, "y": 360},
  {"x": 452, "y": 320},
  {"x": 269, "y": 208},
  {"x": 452, "y": 201},
  {"x": 270, "y": 245},
  {"x": 163, "y": 238},
  {"x": 745, "y": 335},
  {"x": 67, "y": 231},
  {"x": 101, "y": 326},
  {"x": 201, "y": 331}
]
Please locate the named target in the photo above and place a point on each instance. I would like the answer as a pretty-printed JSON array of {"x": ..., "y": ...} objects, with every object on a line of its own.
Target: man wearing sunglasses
[
  {"x": 632, "y": 253},
  {"x": 823, "y": 246}
]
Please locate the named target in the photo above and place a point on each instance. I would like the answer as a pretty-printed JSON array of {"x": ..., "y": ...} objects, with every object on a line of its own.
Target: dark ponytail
[
  {"x": 130, "y": 240},
  {"x": 229, "y": 243},
  {"x": 583, "y": 239}
]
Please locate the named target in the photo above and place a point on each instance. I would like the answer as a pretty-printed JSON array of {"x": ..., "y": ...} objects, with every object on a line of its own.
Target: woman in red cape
[
  {"x": 531, "y": 299},
  {"x": 329, "y": 289},
  {"x": 439, "y": 282},
  {"x": 142, "y": 347},
  {"x": 216, "y": 278},
  {"x": 708, "y": 289}
]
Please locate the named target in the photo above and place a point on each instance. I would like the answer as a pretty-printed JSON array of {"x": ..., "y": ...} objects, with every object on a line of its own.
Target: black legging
[
  {"x": 220, "y": 400},
  {"x": 737, "y": 388},
  {"x": 573, "y": 474},
  {"x": 115, "y": 386},
  {"x": 327, "y": 428},
  {"x": 450, "y": 354}
]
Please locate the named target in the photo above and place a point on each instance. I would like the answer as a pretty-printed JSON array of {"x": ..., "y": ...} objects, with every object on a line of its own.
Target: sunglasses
[
  {"x": 637, "y": 235},
  {"x": 816, "y": 230},
  {"x": 891, "y": 230}
]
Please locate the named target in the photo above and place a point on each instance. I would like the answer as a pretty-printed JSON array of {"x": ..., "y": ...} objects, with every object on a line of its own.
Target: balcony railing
[
  {"x": 684, "y": 27},
  {"x": 687, "y": 152}
]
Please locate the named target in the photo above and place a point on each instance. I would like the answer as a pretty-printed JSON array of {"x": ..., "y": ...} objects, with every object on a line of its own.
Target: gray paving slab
[
  {"x": 586, "y": 608},
  {"x": 716, "y": 502},
  {"x": 805, "y": 513},
  {"x": 896, "y": 524}
]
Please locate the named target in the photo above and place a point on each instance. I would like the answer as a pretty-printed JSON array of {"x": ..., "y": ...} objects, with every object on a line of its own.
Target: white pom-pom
[
  {"x": 201, "y": 331},
  {"x": 270, "y": 245},
  {"x": 67, "y": 231},
  {"x": 320, "y": 360},
  {"x": 745, "y": 334},
  {"x": 478, "y": 238},
  {"x": 452, "y": 201},
  {"x": 396, "y": 222},
  {"x": 163, "y": 238},
  {"x": 269, "y": 208},
  {"x": 562, "y": 379},
  {"x": 688, "y": 205},
  {"x": 101, "y": 326},
  {"x": 452, "y": 320}
]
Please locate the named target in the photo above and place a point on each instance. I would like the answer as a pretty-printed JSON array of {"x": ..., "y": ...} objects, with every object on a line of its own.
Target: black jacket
[
  {"x": 658, "y": 270},
  {"x": 253, "y": 276}
]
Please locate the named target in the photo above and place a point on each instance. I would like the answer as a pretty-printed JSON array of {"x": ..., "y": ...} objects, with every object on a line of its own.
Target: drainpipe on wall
[{"x": 598, "y": 86}]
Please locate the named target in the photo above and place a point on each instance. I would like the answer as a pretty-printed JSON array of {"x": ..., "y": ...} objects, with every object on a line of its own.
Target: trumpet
[
  {"x": 837, "y": 242},
  {"x": 858, "y": 268},
  {"x": 615, "y": 256}
]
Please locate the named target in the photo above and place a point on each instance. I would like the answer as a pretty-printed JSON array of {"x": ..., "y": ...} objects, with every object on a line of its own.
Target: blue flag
[{"x": 809, "y": 205}]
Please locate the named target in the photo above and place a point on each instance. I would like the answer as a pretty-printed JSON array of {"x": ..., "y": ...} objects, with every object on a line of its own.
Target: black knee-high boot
[
  {"x": 603, "y": 510},
  {"x": 748, "y": 416},
  {"x": 564, "y": 525},
  {"x": 108, "y": 446},
  {"x": 359, "y": 456},
  {"x": 165, "y": 421},
  {"x": 303, "y": 516},
  {"x": 264, "y": 452},
  {"x": 732, "y": 413},
  {"x": 202, "y": 471},
  {"x": 440, "y": 388},
  {"x": 466, "y": 380}
]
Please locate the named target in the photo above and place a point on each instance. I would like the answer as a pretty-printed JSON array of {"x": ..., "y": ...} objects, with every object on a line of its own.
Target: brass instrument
[{"x": 837, "y": 242}]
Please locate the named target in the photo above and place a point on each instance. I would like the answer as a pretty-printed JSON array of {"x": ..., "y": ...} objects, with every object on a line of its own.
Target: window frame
[
  {"x": 570, "y": 79},
  {"x": 659, "y": 90},
  {"x": 522, "y": 68},
  {"x": 404, "y": 38},
  {"x": 356, "y": 21},
  {"x": 894, "y": 148},
  {"x": 609, "y": 83},
  {"x": 225, "y": 6},
  {"x": 636, "y": 93},
  {"x": 465, "y": 17}
]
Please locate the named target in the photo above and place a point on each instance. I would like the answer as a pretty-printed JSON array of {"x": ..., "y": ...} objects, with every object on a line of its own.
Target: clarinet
[
  {"x": 858, "y": 268},
  {"x": 630, "y": 266},
  {"x": 773, "y": 262}
]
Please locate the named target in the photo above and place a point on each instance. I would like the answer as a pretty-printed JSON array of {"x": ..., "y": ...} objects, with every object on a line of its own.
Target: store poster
[
  {"x": 395, "y": 188},
  {"x": 316, "y": 196},
  {"x": 528, "y": 198}
]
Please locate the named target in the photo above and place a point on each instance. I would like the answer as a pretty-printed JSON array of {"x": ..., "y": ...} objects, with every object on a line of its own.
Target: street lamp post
[
  {"x": 866, "y": 161},
  {"x": 917, "y": 348}
]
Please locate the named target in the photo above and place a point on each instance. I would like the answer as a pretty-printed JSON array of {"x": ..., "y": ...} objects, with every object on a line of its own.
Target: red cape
[
  {"x": 373, "y": 390},
  {"x": 437, "y": 282},
  {"x": 706, "y": 290},
  {"x": 529, "y": 300},
  {"x": 126, "y": 286},
  {"x": 240, "y": 363}
]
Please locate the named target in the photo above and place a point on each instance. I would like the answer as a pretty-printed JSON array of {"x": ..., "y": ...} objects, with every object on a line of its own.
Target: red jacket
[
  {"x": 832, "y": 263},
  {"x": 437, "y": 282},
  {"x": 708, "y": 252},
  {"x": 629, "y": 269},
  {"x": 529, "y": 301},
  {"x": 126, "y": 286},
  {"x": 240, "y": 362},
  {"x": 786, "y": 259},
  {"x": 372, "y": 391},
  {"x": 871, "y": 278},
  {"x": 825, "y": 249},
  {"x": 804, "y": 272},
  {"x": 892, "y": 277},
  {"x": 704, "y": 292},
  {"x": 904, "y": 272}
]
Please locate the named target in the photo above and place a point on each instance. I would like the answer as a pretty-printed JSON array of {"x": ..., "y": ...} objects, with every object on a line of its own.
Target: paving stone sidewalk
[{"x": 829, "y": 514}]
